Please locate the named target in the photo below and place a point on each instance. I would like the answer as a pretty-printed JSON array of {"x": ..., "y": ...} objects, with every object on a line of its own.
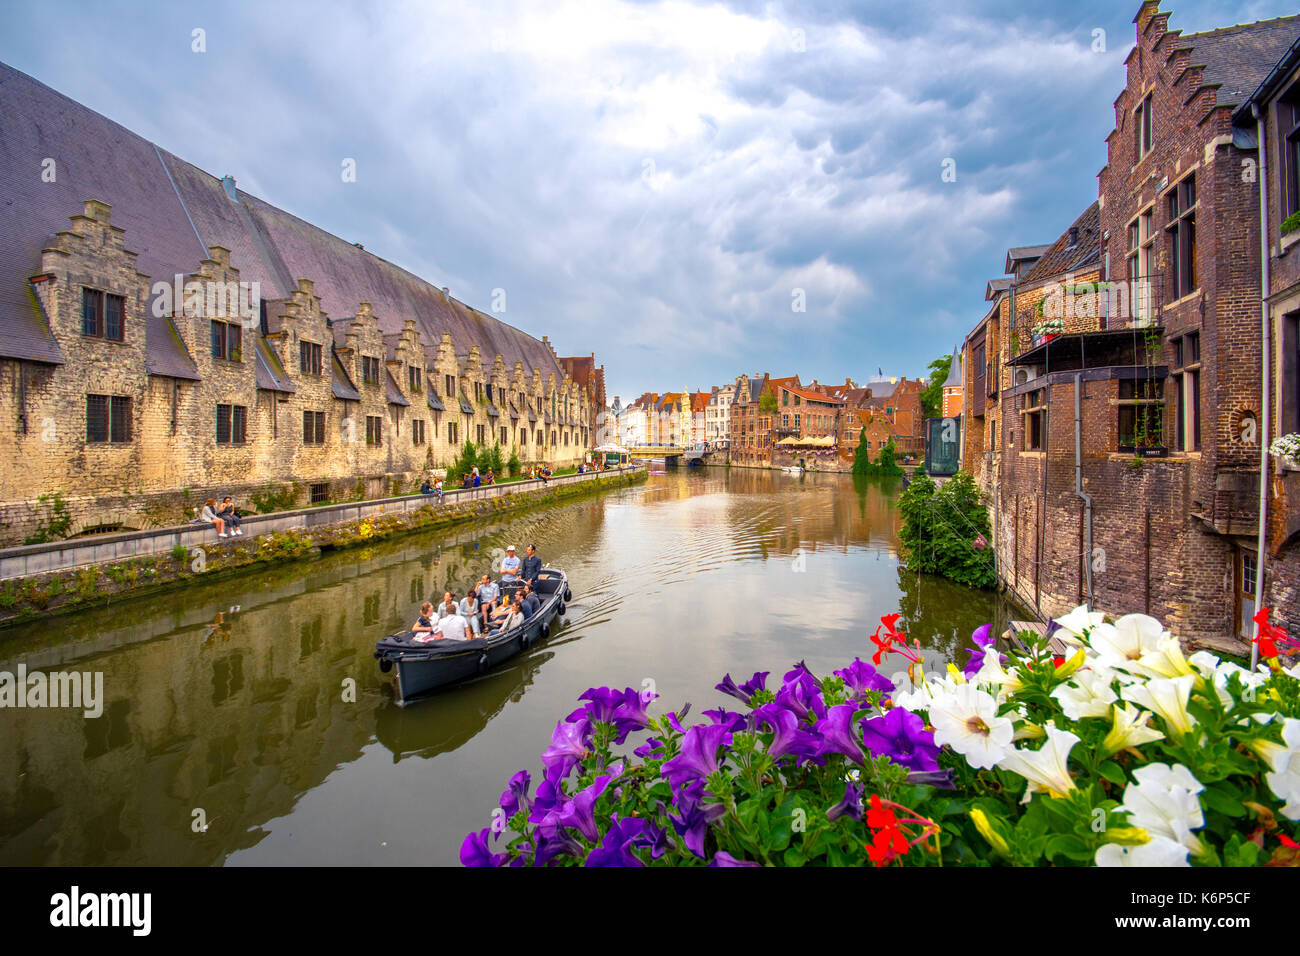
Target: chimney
[
  {"x": 228, "y": 184},
  {"x": 446, "y": 294}
]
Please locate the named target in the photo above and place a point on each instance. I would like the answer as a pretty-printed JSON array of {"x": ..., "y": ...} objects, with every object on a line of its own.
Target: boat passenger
[
  {"x": 508, "y": 617},
  {"x": 532, "y": 566},
  {"x": 453, "y": 627},
  {"x": 448, "y": 605},
  {"x": 510, "y": 567},
  {"x": 424, "y": 623},
  {"x": 468, "y": 609},
  {"x": 488, "y": 593},
  {"x": 529, "y": 601}
]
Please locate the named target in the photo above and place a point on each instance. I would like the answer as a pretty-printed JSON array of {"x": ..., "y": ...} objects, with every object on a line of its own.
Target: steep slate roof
[
  {"x": 995, "y": 286},
  {"x": 882, "y": 389},
  {"x": 954, "y": 371},
  {"x": 172, "y": 212},
  {"x": 1281, "y": 73},
  {"x": 1237, "y": 59},
  {"x": 94, "y": 158},
  {"x": 270, "y": 373},
  {"x": 395, "y": 396},
  {"x": 1019, "y": 253},
  {"x": 1062, "y": 257}
]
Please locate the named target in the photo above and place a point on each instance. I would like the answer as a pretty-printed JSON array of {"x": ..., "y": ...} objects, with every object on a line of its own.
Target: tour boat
[
  {"x": 424, "y": 667},
  {"x": 793, "y": 469}
]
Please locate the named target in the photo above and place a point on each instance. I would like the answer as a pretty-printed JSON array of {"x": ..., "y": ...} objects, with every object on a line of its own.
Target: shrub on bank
[
  {"x": 1123, "y": 754},
  {"x": 946, "y": 531}
]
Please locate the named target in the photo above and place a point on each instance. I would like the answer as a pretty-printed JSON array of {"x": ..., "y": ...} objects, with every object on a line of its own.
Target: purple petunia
[
  {"x": 788, "y": 737},
  {"x": 693, "y": 818},
  {"x": 553, "y": 840},
  {"x": 570, "y": 742},
  {"x": 984, "y": 641},
  {"x": 474, "y": 851},
  {"x": 860, "y": 677},
  {"x": 851, "y": 804},
  {"x": 578, "y": 812},
  {"x": 901, "y": 736},
  {"x": 746, "y": 691},
  {"x": 733, "y": 722},
  {"x": 836, "y": 730},
  {"x": 699, "y": 756},
  {"x": 516, "y": 795},
  {"x": 723, "y": 858}
]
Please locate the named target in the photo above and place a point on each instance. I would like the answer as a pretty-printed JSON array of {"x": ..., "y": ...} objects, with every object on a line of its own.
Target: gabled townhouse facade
[
  {"x": 167, "y": 337},
  {"x": 1112, "y": 393}
]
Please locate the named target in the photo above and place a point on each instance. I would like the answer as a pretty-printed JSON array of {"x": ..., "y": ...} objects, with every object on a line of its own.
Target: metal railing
[{"x": 1087, "y": 307}]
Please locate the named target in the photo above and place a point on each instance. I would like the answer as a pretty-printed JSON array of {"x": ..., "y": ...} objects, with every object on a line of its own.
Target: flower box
[{"x": 1044, "y": 337}]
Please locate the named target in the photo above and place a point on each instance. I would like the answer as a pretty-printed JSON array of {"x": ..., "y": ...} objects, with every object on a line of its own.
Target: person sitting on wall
[
  {"x": 437, "y": 488},
  {"x": 210, "y": 516},
  {"x": 230, "y": 516},
  {"x": 491, "y": 477},
  {"x": 426, "y": 488},
  {"x": 478, "y": 479},
  {"x": 466, "y": 481}
]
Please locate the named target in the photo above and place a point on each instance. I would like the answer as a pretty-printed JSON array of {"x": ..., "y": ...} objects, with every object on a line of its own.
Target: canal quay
[{"x": 228, "y": 703}]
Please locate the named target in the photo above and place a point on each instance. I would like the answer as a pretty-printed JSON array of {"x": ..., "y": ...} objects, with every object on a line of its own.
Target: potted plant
[
  {"x": 1046, "y": 330},
  {"x": 1286, "y": 448}
]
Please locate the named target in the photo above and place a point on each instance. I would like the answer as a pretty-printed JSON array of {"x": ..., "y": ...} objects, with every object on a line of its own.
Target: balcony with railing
[{"x": 1090, "y": 324}]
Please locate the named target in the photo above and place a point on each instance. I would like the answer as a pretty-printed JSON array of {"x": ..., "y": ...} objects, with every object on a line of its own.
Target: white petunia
[
  {"x": 1124, "y": 643},
  {"x": 1129, "y": 729},
  {"x": 1162, "y": 800},
  {"x": 967, "y": 721},
  {"x": 1086, "y": 694},
  {"x": 1046, "y": 769},
  {"x": 1158, "y": 851},
  {"x": 1284, "y": 781},
  {"x": 1167, "y": 698},
  {"x": 1076, "y": 625}
]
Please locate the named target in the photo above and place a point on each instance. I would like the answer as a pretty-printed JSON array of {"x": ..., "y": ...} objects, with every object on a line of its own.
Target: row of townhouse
[
  {"x": 765, "y": 421},
  {"x": 1119, "y": 393},
  {"x": 166, "y": 337}
]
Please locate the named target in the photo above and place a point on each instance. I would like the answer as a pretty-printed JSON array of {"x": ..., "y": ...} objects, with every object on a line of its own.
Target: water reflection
[{"x": 256, "y": 700}]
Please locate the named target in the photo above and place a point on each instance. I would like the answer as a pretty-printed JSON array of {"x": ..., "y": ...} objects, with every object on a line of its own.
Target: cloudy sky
[{"x": 653, "y": 182}]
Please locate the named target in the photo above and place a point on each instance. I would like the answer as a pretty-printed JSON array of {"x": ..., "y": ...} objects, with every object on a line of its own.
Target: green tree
[
  {"x": 493, "y": 460},
  {"x": 767, "y": 403},
  {"x": 886, "y": 463},
  {"x": 467, "y": 461},
  {"x": 932, "y": 394},
  {"x": 514, "y": 465},
  {"x": 862, "y": 455}
]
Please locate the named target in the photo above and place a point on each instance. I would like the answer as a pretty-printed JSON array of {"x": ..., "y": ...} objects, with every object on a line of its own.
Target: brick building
[
  {"x": 1272, "y": 114},
  {"x": 1156, "y": 371},
  {"x": 751, "y": 421},
  {"x": 166, "y": 337}
]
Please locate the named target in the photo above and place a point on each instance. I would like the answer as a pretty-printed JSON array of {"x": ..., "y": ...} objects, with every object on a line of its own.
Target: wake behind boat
[{"x": 423, "y": 667}]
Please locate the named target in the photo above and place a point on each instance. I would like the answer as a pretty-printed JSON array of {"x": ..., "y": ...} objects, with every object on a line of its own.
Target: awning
[
  {"x": 825, "y": 441},
  {"x": 610, "y": 449}
]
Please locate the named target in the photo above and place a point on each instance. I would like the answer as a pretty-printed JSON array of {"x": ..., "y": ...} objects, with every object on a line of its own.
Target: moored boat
[{"x": 424, "y": 667}]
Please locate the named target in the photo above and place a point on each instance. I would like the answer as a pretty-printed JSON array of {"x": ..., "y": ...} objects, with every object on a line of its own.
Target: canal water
[{"x": 228, "y": 703}]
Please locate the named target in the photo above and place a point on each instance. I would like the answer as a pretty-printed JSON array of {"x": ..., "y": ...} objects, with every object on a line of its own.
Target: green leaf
[{"x": 1113, "y": 772}]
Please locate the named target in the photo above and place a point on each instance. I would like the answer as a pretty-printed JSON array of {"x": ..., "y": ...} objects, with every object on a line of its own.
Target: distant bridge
[{"x": 671, "y": 454}]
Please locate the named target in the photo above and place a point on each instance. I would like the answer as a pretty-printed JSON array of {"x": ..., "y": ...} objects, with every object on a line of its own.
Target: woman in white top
[
  {"x": 468, "y": 608},
  {"x": 209, "y": 514}
]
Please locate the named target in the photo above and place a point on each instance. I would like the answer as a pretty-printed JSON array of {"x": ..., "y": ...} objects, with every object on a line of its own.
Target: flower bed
[{"x": 1126, "y": 753}]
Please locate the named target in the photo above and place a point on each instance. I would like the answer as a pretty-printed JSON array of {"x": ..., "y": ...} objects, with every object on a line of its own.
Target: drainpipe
[
  {"x": 1265, "y": 377},
  {"x": 1078, "y": 486}
]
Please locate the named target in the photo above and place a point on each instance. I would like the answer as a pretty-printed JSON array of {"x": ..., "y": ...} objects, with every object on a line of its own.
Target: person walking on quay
[{"x": 210, "y": 516}]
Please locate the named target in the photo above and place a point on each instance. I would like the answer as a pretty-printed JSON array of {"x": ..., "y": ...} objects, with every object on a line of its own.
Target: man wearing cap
[{"x": 509, "y": 572}]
